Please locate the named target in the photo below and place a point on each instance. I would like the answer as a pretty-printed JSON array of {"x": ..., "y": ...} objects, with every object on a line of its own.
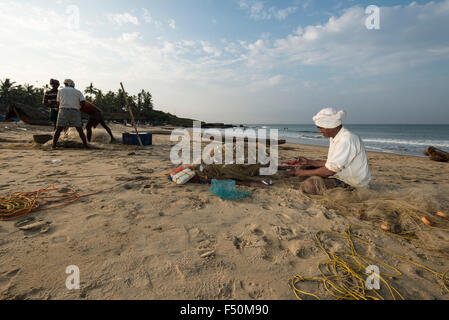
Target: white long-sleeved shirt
[{"x": 347, "y": 157}]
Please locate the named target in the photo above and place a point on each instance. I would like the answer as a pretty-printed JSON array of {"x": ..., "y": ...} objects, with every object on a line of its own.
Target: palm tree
[
  {"x": 29, "y": 88},
  {"x": 6, "y": 89},
  {"x": 30, "y": 93},
  {"x": 98, "y": 101},
  {"x": 91, "y": 90}
]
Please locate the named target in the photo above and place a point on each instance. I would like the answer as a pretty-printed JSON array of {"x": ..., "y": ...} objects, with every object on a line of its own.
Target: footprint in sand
[
  {"x": 253, "y": 237},
  {"x": 256, "y": 230},
  {"x": 226, "y": 290},
  {"x": 302, "y": 249},
  {"x": 240, "y": 243},
  {"x": 197, "y": 203},
  {"x": 60, "y": 239},
  {"x": 6, "y": 282},
  {"x": 31, "y": 227},
  {"x": 266, "y": 246},
  {"x": 284, "y": 218},
  {"x": 282, "y": 232},
  {"x": 205, "y": 243},
  {"x": 254, "y": 290},
  {"x": 151, "y": 188}
]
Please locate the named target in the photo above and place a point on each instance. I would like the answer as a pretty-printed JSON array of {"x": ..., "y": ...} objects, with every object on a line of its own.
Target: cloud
[
  {"x": 210, "y": 49},
  {"x": 121, "y": 19},
  {"x": 147, "y": 16},
  {"x": 258, "y": 11},
  {"x": 130, "y": 36},
  {"x": 43, "y": 46},
  {"x": 310, "y": 84},
  {"x": 284, "y": 13},
  {"x": 306, "y": 3},
  {"x": 172, "y": 24},
  {"x": 409, "y": 36},
  {"x": 37, "y": 44},
  {"x": 270, "y": 82}
]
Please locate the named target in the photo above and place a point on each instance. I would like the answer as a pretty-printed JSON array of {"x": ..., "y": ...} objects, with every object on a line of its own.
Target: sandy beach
[{"x": 146, "y": 238}]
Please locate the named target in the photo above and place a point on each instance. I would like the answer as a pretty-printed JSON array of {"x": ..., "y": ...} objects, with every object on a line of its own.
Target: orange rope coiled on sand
[{"x": 20, "y": 204}]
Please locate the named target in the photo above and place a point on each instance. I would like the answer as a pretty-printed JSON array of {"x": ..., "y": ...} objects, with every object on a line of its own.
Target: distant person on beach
[
  {"x": 70, "y": 100},
  {"x": 347, "y": 164},
  {"x": 50, "y": 101},
  {"x": 96, "y": 117},
  {"x": 10, "y": 112}
]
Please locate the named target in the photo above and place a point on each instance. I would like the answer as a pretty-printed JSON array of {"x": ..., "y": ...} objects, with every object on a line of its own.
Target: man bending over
[{"x": 96, "y": 117}]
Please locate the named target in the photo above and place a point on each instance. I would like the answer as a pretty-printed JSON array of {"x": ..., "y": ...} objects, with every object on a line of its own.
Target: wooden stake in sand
[{"x": 131, "y": 114}]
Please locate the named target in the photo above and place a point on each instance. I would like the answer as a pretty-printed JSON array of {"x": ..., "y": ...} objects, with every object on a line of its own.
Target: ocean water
[{"x": 398, "y": 139}]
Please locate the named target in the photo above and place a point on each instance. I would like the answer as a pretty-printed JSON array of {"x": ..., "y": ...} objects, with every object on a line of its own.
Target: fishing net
[
  {"x": 226, "y": 190},
  {"x": 234, "y": 172},
  {"x": 99, "y": 136},
  {"x": 409, "y": 212}
]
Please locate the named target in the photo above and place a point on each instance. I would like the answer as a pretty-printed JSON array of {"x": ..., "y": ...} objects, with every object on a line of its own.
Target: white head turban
[
  {"x": 329, "y": 118},
  {"x": 69, "y": 83}
]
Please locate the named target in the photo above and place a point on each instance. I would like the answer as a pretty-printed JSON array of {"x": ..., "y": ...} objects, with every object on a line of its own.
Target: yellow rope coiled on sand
[{"x": 17, "y": 205}]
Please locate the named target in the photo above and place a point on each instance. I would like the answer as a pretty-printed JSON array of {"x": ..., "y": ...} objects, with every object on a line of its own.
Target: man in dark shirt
[
  {"x": 95, "y": 118},
  {"x": 51, "y": 102}
]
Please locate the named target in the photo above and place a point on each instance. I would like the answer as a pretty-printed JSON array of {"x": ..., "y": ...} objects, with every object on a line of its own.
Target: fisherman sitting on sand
[
  {"x": 70, "y": 100},
  {"x": 347, "y": 161},
  {"x": 95, "y": 118}
]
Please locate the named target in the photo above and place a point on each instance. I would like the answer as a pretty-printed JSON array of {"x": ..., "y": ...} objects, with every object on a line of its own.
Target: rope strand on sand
[{"x": 20, "y": 204}]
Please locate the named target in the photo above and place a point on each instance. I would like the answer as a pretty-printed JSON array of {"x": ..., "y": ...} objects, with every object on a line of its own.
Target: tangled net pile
[
  {"x": 402, "y": 211},
  {"x": 403, "y": 214}
]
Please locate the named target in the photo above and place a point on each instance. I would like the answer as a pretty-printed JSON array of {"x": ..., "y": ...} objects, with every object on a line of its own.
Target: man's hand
[
  {"x": 320, "y": 172},
  {"x": 302, "y": 173},
  {"x": 289, "y": 174},
  {"x": 303, "y": 161},
  {"x": 296, "y": 173}
]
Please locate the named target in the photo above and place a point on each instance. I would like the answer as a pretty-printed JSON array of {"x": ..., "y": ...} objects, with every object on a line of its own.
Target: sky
[{"x": 241, "y": 61}]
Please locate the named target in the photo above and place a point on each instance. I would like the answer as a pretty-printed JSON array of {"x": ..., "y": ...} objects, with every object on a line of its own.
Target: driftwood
[{"x": 437, "y": 155}]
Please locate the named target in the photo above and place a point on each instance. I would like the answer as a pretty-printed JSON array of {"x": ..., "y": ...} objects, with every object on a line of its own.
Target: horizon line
[{"x": 367, "y": 124}]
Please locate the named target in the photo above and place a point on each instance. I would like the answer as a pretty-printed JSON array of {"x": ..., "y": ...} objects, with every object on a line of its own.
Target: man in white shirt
[
  {"x": 70, "y": 102},
  {"x": 347, "y": 163}
]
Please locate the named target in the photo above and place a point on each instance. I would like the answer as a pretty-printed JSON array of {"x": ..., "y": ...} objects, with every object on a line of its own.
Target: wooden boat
[{"x": 29, "y": 115}]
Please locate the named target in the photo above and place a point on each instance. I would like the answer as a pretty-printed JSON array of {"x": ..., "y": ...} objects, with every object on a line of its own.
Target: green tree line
[{"x": 110, "y": 102}]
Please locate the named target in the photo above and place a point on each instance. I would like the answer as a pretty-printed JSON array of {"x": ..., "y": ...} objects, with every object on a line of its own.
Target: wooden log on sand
[{"x": 437, "y": 155}]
